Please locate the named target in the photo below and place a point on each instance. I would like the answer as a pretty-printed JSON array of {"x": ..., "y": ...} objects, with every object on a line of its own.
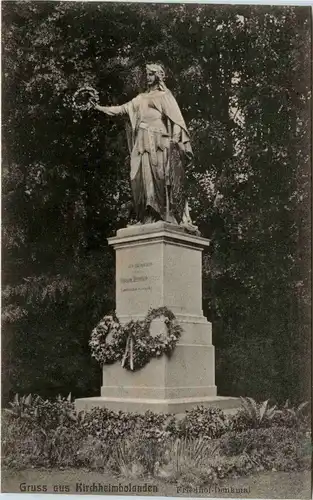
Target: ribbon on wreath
[{"x": 129, "y": 351}]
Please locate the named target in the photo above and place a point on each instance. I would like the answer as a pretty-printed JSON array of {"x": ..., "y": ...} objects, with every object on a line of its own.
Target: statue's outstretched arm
[{"x": 113, "y": 110}]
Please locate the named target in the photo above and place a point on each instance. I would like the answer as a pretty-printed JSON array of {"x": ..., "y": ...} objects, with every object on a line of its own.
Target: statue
[{"x": 160, "y": 150}]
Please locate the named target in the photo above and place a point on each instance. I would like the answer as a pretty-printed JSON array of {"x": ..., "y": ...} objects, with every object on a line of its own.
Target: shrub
[
  {"x": 40, "y": 432},
  {"x": 231, "y": 466},
  {"x": 277, "y": 447},
  {"x": 203, "y": 422},
  {"x": 145, "y": 444},
  {"x": 94, "y": 453},
  {"x": 295, "y": 417},
  {"x": 252, "y": 415},
  {"x": 44, "y": 413},
  {"x": 106, "y": 424},
  {"x": 25, "y": 447}
]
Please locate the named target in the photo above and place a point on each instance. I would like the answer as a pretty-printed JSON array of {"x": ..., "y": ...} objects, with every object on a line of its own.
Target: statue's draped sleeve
[
  {"x": 168, "y": 107},
  {"x": 117, "y": 110},
  {"x": 131, "y": 109},
  {"x": 177, "y": 129},
  {"x": 180, "y": 152}
]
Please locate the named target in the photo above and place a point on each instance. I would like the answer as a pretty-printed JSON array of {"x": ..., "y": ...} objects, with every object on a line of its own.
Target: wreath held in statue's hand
[
  {"x": 132, "y": 344},
  {"x": 85, "y": 98}
]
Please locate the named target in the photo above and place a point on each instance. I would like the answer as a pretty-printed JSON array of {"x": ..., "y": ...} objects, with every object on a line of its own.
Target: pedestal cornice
[{"x": 157, "y": 232}]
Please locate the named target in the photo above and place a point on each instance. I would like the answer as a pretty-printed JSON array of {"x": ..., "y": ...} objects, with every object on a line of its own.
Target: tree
[{"x": 241, "y": 77}]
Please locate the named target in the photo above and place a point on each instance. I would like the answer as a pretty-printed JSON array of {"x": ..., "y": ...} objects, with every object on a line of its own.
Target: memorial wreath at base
[{"x": 132, "y": 344}]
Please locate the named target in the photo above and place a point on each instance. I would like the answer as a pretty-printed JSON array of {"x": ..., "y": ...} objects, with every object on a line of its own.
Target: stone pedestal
[{"x": 160, "y": 265}]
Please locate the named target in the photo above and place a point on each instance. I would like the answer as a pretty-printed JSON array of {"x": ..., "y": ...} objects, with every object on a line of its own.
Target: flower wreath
[
  {"x": 132, "y": 343},
  {"x": 101, "y": 349},
  {"x": 91, "y": 95}
]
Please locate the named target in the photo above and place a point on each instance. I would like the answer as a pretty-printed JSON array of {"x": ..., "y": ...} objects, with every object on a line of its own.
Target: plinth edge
[
  {"x": 156, "y": 231},
  {"x": 176, "y": 406}
]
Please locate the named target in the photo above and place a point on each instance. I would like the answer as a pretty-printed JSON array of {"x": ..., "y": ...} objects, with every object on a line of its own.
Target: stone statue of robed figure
[{"x": 160, "y": 149}]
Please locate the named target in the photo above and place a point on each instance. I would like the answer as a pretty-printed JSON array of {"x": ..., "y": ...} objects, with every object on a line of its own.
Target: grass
[{"x": 262, "y": 485}]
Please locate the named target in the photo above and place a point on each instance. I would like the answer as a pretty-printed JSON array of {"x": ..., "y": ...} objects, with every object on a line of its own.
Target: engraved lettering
[
  {"x": 136, "y": 289},
  {"x": 134, "y": 279},
  {"x": 140, "y": 264}
]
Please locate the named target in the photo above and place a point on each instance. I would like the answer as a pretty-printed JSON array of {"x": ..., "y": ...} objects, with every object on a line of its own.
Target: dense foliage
[
  {"x": 242, "y": 78},
  {"x": 203, "y": 446}
]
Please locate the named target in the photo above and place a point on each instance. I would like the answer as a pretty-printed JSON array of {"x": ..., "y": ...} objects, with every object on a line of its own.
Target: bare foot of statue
[
  {"x": 190, "y": 228},
  {"x": 135, "y": 223}
]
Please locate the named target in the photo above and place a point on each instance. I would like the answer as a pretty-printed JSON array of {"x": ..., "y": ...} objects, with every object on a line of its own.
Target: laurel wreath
[
  {"x": 92, "y": 97},
  {"x": 132, "y": 344}
]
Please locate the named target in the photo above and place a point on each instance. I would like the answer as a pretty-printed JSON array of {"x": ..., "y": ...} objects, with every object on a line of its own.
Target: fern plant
[
  {"x": 37, "y": 411},
  {"x": 256, "y": 414}
]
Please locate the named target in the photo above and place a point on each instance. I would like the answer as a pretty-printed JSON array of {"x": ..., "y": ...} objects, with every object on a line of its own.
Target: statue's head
[{"x": 155, "y": 74}]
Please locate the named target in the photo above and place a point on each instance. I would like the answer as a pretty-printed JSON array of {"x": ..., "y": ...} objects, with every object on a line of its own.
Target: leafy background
[{"x": 241, "y": 75}]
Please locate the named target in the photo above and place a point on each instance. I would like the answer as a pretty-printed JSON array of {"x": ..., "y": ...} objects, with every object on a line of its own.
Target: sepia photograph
[{"x": 156, "y": 249}]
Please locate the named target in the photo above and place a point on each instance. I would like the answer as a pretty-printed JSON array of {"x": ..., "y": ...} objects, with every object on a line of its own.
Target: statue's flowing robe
[{"x": 159, "y": 149}]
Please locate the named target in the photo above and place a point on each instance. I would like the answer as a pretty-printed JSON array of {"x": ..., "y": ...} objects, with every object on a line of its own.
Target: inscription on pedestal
[{"x": 137, "y": 278}]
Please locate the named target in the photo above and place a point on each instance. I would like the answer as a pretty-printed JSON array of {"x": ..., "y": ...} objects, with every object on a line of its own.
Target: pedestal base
[
  {"x": 159, "y": 265},
  {"x": 173, "y": 405},
  {"x": 188, "y": 373}
]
